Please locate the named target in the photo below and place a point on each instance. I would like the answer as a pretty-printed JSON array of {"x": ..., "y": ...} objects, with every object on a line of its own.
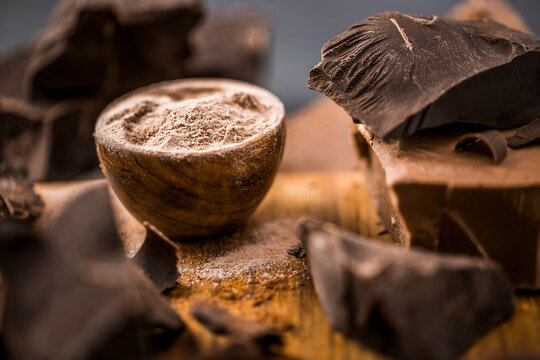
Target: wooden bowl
[{"x": 189, "y": 194}]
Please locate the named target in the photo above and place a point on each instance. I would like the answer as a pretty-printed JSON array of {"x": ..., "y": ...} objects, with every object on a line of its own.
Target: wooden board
[{"x": 290, "y": 303}]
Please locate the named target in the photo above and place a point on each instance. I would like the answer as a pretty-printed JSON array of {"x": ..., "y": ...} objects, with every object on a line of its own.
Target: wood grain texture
[{"x": 291, "y": 304}]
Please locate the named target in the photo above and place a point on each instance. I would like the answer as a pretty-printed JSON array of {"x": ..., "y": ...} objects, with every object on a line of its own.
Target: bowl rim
[{"x": 102, "y": 139}]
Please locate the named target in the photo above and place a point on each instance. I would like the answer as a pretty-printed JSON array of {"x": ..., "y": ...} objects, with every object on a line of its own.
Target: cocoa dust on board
[{"x": 256, "y": 253}]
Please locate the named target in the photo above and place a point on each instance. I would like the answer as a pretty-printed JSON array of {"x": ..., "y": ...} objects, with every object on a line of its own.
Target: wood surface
[{"x": 291, "y": 304}]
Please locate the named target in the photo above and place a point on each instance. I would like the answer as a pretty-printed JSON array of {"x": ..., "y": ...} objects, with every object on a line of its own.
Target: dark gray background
[{"x": 302, "y": 27}]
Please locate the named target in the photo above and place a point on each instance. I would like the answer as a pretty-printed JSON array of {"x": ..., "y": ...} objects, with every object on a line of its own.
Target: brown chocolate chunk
[
  {"x": 13, "y": 66},
  {"x": 399, "y": 74},
  {"x": 220, "y": 321},
  {"x": 490, "y": 142},
  {"x": 17, "y": 197},
  {"x": 24, "y": 137},
  {"x": 407, "y": 304},
  {"x": 231, "y": 43},
  {"x": 157, "y": 259},
  {"x": 297, "y": 251},
  {"x": 526, "y": 135},
  {"x": 71, "y": 293},
  {"x": 419, "y": 180},
  {"x": 111, "y": 47}
]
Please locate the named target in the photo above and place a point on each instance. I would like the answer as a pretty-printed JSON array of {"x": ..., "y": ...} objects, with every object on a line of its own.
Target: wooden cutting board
[{"x": 285, "y": 297}]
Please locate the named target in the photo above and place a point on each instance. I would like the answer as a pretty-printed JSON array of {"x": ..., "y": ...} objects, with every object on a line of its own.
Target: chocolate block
[
  {"x": 110, "y": 47},
  {"x": 231, "y": 43},
  {"x": 399, "y": 74},
  {"x": 70, "y": 292},
  {"x": 406, "y": 304},
  {"x": 432, "y": 196}
]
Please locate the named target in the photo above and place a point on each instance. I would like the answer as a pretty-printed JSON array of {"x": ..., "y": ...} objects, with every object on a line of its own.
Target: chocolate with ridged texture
[
  {"x": 110, "y": 47},
  {"x": 406, "y": 304},
  {"x": 428, "y": 195},
  {"x": 398, "y": 74}
]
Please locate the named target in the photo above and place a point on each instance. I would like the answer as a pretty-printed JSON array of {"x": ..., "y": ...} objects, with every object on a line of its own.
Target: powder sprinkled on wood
[{"x": 258, "y": 251}]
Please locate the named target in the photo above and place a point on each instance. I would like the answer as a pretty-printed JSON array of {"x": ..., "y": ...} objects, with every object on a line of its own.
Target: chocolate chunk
[
  {"x": 399, "y": 74},
  {"x": 419, "y": 179},
  {"x": 24, "y": 137},
  {"x": 220, "y": 321},
  {"x": 526, "y": 135},
  {"x": 17, "y": 197},
  {"x": 231, "y": 43},
  {"x": 407, "y": 304},
  {"x": 490, "y": 142},
  {"x": 157, "y": 259},
  {"x": 111, "y": 47},
  {"x": 430, "y": 196},
  {"x": 13, "y": 66},
  {"x": 297, "y": 251},
  {"x": 71, "y": 293}
]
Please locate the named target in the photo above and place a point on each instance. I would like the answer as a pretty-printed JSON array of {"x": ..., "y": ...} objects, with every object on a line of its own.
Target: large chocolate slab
[
  {"x": 432, "y": 196},
  {"x": 407, "y": 304},
  {"x": 233, "y": 44},
  {"x": 70, "y": 292},
  {"x": 399, "y": 74},
  {"x": 110, "y": 47}
]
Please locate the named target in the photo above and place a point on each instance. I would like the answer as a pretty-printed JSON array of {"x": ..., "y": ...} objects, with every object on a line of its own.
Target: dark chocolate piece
[
  {"x": 297, "y": 251},
  {"x": 71, "y": 293},
  {"x": 399, "y": 74},
  {"x": 407, "y": 304},
  {"x": 526, "y": 135},
  {"x": 13, "y": 66},
  {"x": 490, "y": 142},
  {"x": 157, "y": 259},
  {"x": 233, "y": 44},
  {"x": 417, "y": 180},
  {"x": 111, "y": 47},
  {"x": 17, "y": 197},
  {"x": 220, "y": 321},
  {"x": 24, "y": 137}
]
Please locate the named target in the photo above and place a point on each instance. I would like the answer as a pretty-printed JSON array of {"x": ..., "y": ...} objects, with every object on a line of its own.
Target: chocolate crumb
[
  {"x": 490, "y": 142},
  {"x": 526, "y": 135},
  {"x": 297, "y": 251}
]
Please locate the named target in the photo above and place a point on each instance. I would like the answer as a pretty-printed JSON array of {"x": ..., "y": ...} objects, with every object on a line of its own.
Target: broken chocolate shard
[
  {"x": 24, "y": 137},
  {"x": 17, "y": 197},
  {"x": 85, "y": 299},
  {"x": 490, "y": 142},
  {"x": 399, "y": 74},
  {"x": 526, "y": 135},
  {"x": 297, "y": 251},
  {"x": 406, "y": 304},
  {"x": 220, "y": 321},
  {"x": 110, "y": 47},
  {"x": 232, "y": 43},
  {"x": 157, "y": 259},
  {"x": 13, "y": 64}
]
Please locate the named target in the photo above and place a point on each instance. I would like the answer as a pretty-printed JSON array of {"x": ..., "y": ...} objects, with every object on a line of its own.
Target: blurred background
[{"x": 301, "y": 27}]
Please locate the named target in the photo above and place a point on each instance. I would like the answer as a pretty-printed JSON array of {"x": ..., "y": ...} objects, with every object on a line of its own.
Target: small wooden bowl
[{"x": 196, "y": 194}]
